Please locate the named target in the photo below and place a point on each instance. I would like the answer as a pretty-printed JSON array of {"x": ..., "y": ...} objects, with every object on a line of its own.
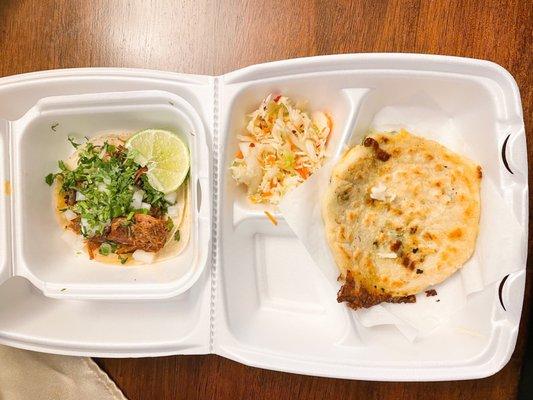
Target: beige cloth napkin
[{"x": 27, "y": 375}]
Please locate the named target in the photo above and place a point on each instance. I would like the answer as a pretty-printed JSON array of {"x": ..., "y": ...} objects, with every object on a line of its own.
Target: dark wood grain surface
[{"x": 214, "y": 37}]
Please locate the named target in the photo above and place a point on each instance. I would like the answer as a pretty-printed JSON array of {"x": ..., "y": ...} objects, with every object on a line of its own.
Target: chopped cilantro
[
  {"x": 152, "y": 196},
  {"x": 123, "y": 260},
  {"x": 109, "y": 148},
  {"x": 72, "y": 142},
  {"x": 177, "y": 236},
  {"x": 170, "y": 224},
  {"x": 49, "y": 179},
  {"x": 105, "y": 249},
  {"x": 105, "y": 175}
]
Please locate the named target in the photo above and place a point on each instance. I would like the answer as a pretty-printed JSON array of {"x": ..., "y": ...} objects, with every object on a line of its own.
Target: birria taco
[{"x": 124, "y": 198}]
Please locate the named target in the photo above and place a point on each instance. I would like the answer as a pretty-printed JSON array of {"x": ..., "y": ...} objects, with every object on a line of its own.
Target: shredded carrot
[
  {"x": 271, "y": 218},
  {"x": 304, "y": 172},
  {"x": 270, "y": 159},
  {"x": 239, "y": 154}
]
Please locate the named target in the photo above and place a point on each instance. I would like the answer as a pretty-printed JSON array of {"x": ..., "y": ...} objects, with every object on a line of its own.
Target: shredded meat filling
[
  {"x": 75, "y": 225},
  {"x": 93, "y": 244},
  {"x": 140, "y": 172},
  {"x": 144, "y": 232},
  {"x": 156, "y": 212},
  {"x": 358, "y": 297},
  {"x": 121, "y": 231},
  {"x": 70, "y": 197}
]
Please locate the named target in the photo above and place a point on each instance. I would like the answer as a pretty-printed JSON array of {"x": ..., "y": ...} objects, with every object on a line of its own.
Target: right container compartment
[{"x": 275, "y": 309}]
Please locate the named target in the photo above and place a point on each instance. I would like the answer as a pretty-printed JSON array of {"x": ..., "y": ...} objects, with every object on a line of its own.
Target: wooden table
[{"x": 211, "y": 37}]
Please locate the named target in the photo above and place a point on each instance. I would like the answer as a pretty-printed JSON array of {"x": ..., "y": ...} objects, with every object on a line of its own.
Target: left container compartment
[{"x": 37, "y": 140}]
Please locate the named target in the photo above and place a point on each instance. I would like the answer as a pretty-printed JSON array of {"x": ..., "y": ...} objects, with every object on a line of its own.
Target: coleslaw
[{"x": 282, "y": 147}]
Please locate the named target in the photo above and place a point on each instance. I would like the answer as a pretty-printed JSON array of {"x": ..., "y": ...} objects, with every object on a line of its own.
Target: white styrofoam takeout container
[
  {"x": 263, "y": 302},
  {"x": 39, "y": 139}
]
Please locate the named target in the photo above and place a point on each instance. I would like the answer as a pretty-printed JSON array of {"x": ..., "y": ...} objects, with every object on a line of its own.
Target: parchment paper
[{"x": 499, "y": 228}]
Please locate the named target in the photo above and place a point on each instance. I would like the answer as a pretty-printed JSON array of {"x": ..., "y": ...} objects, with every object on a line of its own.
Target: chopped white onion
[
  {"x": 80, "y": 196},
  {"x": 173, "y": 211},
  {"x": 137, "y": 199},
  {"x": 85, "y": 227},
  {"x": 143, "y": 256},
  {"x": 70, "y": 215},
  {"x": 145, "y": 206},
  {"x": 171, "y": 197}
]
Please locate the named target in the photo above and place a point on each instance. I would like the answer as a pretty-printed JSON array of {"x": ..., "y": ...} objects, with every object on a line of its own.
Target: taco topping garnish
[{"x": 105, "y": 196}]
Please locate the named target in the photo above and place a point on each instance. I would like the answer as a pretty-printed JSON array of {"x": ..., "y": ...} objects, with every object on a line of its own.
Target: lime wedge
[{"x": 165, "y": 155}]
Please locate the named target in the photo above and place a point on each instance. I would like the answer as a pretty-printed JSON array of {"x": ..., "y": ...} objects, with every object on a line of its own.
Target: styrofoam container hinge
[
  {"x": 6, "y": 269},
  {"x": 215, "y": 216}
]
